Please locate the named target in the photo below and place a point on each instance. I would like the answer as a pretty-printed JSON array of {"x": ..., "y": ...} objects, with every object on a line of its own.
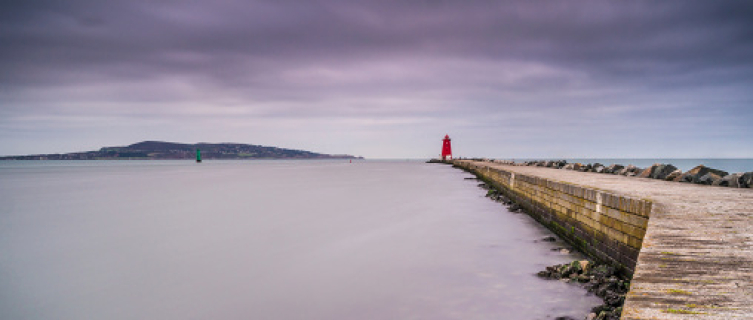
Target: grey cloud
[{"x": 467, "y": 62}]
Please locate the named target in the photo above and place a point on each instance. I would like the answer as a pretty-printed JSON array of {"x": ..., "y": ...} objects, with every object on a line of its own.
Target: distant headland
[{"x": 160, "y": 150}]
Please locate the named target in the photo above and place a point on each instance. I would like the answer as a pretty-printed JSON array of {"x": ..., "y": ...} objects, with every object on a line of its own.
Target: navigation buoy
[
  {"x": 446, "y": 148},
  {"x": 198, "y": 155}
]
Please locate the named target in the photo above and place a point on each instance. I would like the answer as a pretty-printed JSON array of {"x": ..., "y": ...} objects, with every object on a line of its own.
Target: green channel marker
[{"x": 198, "y": 155}]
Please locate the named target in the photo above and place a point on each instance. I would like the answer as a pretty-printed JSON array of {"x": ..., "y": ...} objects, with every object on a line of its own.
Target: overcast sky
[{"x": 381, "y": 78}]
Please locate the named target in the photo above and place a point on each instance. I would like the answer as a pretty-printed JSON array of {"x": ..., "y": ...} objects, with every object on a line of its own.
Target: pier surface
[{"x": 696, "y": 261}]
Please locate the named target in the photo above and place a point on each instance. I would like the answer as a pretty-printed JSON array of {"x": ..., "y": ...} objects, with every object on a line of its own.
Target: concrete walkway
[{"x": 697, "y": 255}]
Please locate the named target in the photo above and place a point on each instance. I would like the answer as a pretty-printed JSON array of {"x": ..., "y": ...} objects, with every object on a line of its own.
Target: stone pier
[{"x": 693, "y": 243}]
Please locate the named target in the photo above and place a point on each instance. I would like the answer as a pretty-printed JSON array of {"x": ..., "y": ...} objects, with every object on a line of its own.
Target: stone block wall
[{"x": 606, "y": 226}]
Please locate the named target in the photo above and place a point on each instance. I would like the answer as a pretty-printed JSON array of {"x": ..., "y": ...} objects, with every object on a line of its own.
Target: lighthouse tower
[{"x": 446, "y": 148}]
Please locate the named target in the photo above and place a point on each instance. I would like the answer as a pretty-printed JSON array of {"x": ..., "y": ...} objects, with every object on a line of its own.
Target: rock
[
  {"x": 746, "y": 180},
  {"x": 598, "y": 168},
  {"x": 514, "y": 207},
  {"x": 602, "y": 282},
  {"x": 617, "y": 312},
  {"x": 564, "y": 251},
  {"x": 709, "y": 178},
  {"x": 694, "y": 175},
  {"x": 575, "y": 267},
  {"x": 672, "y": 176},
  {"x": 646, "y": 173},
  {"x": 549, "y": 239},
  {"x": 600, "y": 309},
  {"x": 731, "y": 181},
  {"x": 613, "y": 299},
  {"x": 563, "y": 318},
  {"x": 585, "y": 265},
  {"x": 602, "y": 271},
  {"x": 630, "y": 168},
  {"x": 662, "y": 171},
  {"x": 614, "y": 169}
]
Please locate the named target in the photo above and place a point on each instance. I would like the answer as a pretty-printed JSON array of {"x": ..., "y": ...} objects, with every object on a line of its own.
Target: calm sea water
[{"x": 268, "y": 240}]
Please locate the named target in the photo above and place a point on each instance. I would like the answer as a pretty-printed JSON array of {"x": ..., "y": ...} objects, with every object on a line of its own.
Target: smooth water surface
[{"x": 268, "y": 240}]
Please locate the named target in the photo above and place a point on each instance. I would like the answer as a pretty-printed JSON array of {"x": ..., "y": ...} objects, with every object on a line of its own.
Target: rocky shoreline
[
  {"x": 600, "y": 279},
  {"x": 699, "y": 175}
]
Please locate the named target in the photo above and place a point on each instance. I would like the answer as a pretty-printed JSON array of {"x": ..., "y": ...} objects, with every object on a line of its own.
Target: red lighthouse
[{"x": 446, "y": 148}]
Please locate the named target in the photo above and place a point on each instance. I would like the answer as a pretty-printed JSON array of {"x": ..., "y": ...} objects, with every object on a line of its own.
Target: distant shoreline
[{"x": 160, "y": 150}]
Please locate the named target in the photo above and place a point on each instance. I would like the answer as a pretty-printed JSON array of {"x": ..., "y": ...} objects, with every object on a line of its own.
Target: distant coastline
[{"x": 160, "y": 150}]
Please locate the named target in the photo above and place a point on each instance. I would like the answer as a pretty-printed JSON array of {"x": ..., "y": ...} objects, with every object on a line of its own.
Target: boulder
[
  {"x": 709, "y": 178},
  {"x": 646, "y": 173},
  {"x": 629, "y": 169},
  {"x": 694, "y": 175},
  {"x": 585, "y": 265},
  {"x": 672, "y": 176},
  {"x": 746, "y": 180},
  {"x": 575, "y": 267},
  {"x": 549, "y": 239},
  {"x": 615, "y": 168},
  {"x": 598, "y": 168},
  {"x": 731, "y": 181},
  {"x": 662, "y": 171}
]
